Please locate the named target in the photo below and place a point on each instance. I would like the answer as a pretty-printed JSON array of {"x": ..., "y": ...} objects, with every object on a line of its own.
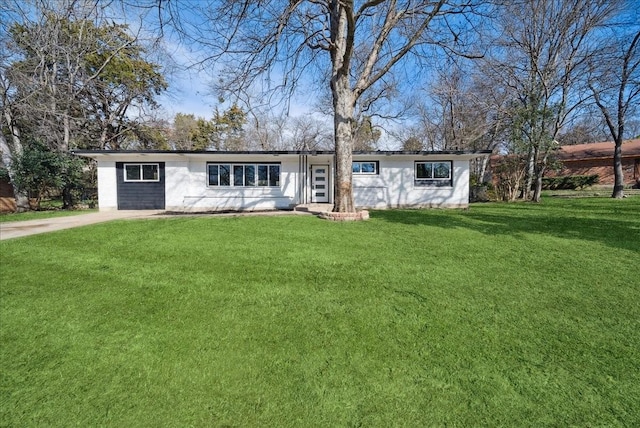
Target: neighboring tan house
[
  {"x": 597, "y": 158},
  {"x": 217, "y": 181}
]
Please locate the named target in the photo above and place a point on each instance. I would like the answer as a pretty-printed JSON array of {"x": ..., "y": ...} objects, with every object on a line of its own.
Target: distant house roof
[{"x": 578, "y": 152}]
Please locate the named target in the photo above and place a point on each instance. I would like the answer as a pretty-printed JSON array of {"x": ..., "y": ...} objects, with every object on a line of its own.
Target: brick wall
[{"x": 603, "y": 168}]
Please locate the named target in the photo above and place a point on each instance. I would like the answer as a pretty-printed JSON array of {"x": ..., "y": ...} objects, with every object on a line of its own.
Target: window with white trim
[
  {"x": 243, "y": 175},
  {"x": 141, "y": 172},
  {"x": 364, "y": 168},
  {"x": 438, "y": 173}
]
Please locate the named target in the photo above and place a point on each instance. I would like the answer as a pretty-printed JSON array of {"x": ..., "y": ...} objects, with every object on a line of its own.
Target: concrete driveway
[{"x": 16, "y": 229}]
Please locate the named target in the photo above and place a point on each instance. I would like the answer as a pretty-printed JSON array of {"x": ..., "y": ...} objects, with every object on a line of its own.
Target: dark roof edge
[{"x": 283, "y": 152}]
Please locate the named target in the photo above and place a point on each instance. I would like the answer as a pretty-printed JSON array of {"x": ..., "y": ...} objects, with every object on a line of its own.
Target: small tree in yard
[
  {"x": 509, "y": 172},
  {"x": 39, "y": 171}
]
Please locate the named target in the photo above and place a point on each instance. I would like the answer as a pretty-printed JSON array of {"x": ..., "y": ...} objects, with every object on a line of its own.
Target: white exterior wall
[
  {"x": 107, "y": 186},
  {"x": 187, "y": 187},
  {"x": 394, "y": 186}
]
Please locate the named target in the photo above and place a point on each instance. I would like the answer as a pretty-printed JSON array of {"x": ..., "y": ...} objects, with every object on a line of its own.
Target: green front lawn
[
  {"x": 502, "y": 315},
  {"x": 40, "y": 215}
]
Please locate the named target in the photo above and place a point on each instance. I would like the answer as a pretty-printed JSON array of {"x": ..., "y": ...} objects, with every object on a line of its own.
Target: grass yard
[
  {"x": 502, "y": 315},
  {"x": 40, "y": 215}
]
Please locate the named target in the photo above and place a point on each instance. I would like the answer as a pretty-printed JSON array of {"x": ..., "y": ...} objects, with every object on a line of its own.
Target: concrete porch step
[{"x": 314, "y": 208}]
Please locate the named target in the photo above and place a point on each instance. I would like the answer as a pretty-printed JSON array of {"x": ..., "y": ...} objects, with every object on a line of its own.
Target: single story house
[
  {"x": 597, "y": 159},
  {"x": 191, "y": 181}
]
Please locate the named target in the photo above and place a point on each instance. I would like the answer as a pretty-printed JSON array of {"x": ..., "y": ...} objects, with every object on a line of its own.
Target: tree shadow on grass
[{"x": 613, "y": 223}]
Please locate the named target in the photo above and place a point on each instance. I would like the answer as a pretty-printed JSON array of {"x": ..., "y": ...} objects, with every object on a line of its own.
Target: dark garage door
[{"x": 140, "y": 185}]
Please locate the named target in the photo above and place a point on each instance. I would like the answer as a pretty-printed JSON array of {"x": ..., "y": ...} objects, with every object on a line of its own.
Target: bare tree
[
  {"x": 614, "y": 81},
  {"x": 586, "y": 128},
  {"x": 309, "y": 133},
  {"x": 265, "y": 131},
  {"x": 354, "y": 47},
  {"x": 463, "y": 110},
  {"x": 50, "y": 44},
  {"x": 467, "y": 109},
  {"x": 12, "y": 148},
  {"x": 64, "y": 69},
  {"x": 540, "y": 52}
]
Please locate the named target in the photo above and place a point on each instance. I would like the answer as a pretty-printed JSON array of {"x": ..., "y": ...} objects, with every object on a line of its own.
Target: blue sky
[{"x": 190, "y": 89}]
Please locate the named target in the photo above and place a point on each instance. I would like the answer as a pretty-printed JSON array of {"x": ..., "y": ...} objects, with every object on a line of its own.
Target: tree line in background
[
  {"x": 517, "y": 78},
  {"x": 235, "y": 130}
]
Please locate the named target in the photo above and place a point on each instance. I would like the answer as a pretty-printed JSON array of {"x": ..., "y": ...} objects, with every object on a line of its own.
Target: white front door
[{"x": 319, "y": 183}]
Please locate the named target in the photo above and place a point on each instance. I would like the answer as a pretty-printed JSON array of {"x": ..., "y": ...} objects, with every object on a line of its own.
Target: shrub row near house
[{"x": 569, "y": 182}]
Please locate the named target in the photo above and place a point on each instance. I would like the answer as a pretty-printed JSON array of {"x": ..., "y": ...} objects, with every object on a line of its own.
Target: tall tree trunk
[
  {"x": 8, "y": 155},
  {"x": 343, "y": 134},
  {"x": 103, "y": 138},
  {"x": 67, "y": 132},
  {"x": 537, "y": 193},
  {"x": 483, "y": 169},
  {"x": 67, "y": 196},
  {"x": 531, "y": 165},
  {"x": 618, "y": 185},
  {"x": 342, "y": 36}
]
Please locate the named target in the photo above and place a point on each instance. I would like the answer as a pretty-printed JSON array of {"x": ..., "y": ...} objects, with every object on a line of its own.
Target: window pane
[
  {"x": 274, "y": 175},
  {"x": 249, "y": 175},
  {"x": 213, "y": 175},
  {"x": 424, "y": 170},
  {"x": 355, "y": 167},
  {"x": 263, "y": 175},
  {"x": 368, "y": 167},
  {"x": 441, "y": 170},
  {"x": 225, "y": 175},
  {"x": 150, "y": 172},
  {"x": 238, "y": 175},
  {"x": 132, "y": 172}
]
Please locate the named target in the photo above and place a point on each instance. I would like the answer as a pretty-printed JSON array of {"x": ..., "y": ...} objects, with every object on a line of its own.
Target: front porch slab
[{"x": 314, "y": 208}]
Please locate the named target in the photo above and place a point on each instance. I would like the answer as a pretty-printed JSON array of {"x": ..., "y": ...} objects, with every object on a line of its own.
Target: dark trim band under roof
[{"x": 282, "y": 152}]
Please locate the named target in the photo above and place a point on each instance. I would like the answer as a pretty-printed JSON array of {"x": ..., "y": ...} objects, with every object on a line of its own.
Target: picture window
[{"x": 243, "y": 175}]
